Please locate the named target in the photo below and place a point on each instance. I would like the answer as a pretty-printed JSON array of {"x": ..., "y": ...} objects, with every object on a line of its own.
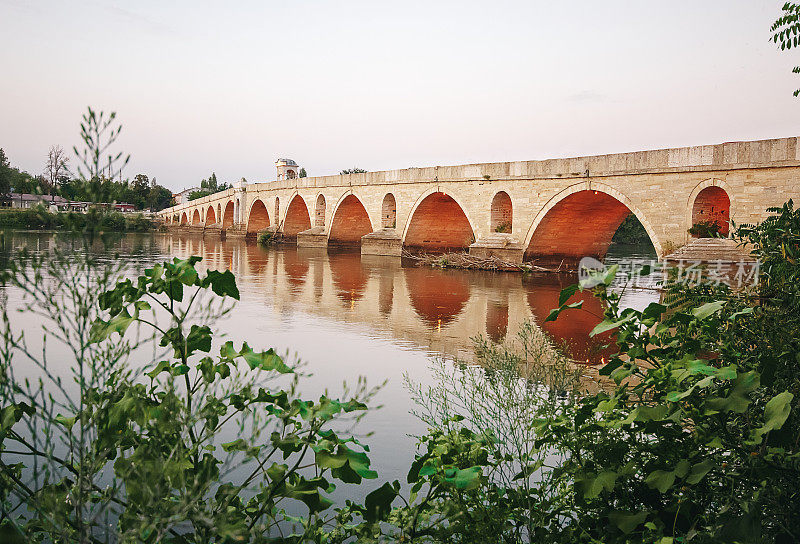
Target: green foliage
[
  {"x": 631, "y": 231},
  {"x": 209, "y": 187},
  {"x": 5, "y": 176},
  {"x": 705, "y": 229},
  {"x": 786, "y": 31},
  {"x": 98, "y": 133},
  {"x": 354, "y": 170},
  {"x": 503, "y": 227},
  {"x": 145, "y": 457},
  {"x": 194, "y": 195},
  {"x": 481, "y": 474},
  {"x": 94, "y": 220},
  {"x": 265, "y": 238},
  {"x": 694, "y": 438},
  {"x": 302, "y": 173}
]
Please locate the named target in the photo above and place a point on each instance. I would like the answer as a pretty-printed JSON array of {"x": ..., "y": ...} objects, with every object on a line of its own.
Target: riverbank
[{"x": 100, "y": 220}]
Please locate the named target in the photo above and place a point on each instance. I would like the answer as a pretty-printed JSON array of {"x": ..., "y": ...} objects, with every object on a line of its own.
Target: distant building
[
  {"x": 124, "y": 207},
  {"x": 24, "y": 200},
  {"x": 287, "y": 169},
  {"x": 59, "y": 203},
  {"x": 183, "y": 196}
]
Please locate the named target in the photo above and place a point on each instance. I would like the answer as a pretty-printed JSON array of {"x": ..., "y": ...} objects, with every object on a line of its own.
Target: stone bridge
[{"x": 546, "y": 210}]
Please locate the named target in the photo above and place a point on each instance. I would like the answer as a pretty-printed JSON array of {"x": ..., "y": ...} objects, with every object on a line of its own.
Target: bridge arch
[
  {"x": 350, "y": 221},
  {"x": 319, "y": 211},
  {"x": 196, "y": 217},
  {"x": 438, "y": 222},
  {"x": 211, "y": 217},
  {"x": 580, "y": 221},
  {"x": 389, "y": 212},
  {"x": 296, "y": 218},
  {"x": 710, "y": 200},
  {"x": 257, "y": 217},
  {"x": 227, "y": 216},
  {"x": 184, "y": 219},
  {"x": 502, "y": 213}
]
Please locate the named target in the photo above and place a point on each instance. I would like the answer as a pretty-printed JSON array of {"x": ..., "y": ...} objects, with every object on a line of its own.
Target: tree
[
  {"x": 354, "y": 170},
  {"x": 55, "y": 168},
  {"x": 211, "y": 185},
  {"x": 194, "y": 195},
  {"x": 786, "y": 31},
  {"x": 98, "y": 134},
  {"x": 159, "y": 197},
  {"x": 302, "y": 173},
  {"x": 5, "y": 177}
]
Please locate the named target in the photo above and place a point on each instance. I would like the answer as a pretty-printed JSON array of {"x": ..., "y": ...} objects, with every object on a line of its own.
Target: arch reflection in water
[
  {"x": 571, "y": 329},
  {"x": 349, "y": 276},
  {"x": 434, "y": 310},
  {"x": 438, "y": 296}
]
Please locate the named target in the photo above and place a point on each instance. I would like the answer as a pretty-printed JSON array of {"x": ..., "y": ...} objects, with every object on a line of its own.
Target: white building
[
  {"x": 287, "y": 169},
  {"x": 183, "y": 196}
]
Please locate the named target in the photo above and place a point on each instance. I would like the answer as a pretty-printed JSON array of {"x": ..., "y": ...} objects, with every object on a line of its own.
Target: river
[{"x": 347, "y": 316}]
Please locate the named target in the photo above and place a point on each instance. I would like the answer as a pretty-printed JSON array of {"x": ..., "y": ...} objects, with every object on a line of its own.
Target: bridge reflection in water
[{"x": 437, "y": 310}]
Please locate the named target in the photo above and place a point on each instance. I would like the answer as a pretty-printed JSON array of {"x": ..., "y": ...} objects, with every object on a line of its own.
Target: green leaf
[
  {"x": 737, "y": 399},
  {"x": 699, "y": 471},
  {"x": 265, "y": 360},
  {"x": 607, "y": 325},
  {"x": 627, "y": 521},
  {"x": 708, "y": 309},
  {"x": 223, "y": 283},
  {"x": 566, "y": 293},
  {"x": 199, "y": 338},
  {"x": 467, "y": 478},
  {"x": 67, "y": 422},
  {"x": 159, "y": 368},
  {"x": 379, "y": 503},
  {"x": 592, "y": 486},
  {"x": 660, "y": 479},
  {"x": 326, "y": 459},
  {"x": 776, "y": 412}
]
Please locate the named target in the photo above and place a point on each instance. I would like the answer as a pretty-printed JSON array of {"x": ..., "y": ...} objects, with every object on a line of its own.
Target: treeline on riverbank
[
  {"x": 631, "y": 232},
  {"x": 96, "y": 219}
]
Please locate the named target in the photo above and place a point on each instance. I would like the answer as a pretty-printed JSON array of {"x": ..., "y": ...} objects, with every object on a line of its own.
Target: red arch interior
[
  {"x": 350, "y": 223},
  {"x": 296, "y": 218},
  {"x": 713, "y": 205},
  {"x": 227, "y": 217},
  {"x": 580, "y": 225},
  {"x": 259, "y": 218},
  {"x": 501, "y": 213},
  {"x": 439, "y": 224}
]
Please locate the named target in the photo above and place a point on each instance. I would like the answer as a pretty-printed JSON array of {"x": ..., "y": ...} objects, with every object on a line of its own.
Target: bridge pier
[
  {"x": 313, "y": 237},
  {"x": 382, "y": 242},
  {"x": 501, "y": 245}
]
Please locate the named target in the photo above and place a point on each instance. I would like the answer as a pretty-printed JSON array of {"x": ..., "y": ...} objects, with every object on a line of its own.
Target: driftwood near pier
[{"x": 467, "y": 261}]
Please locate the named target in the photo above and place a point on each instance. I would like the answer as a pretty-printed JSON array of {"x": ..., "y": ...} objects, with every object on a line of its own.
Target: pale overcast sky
[{"x": 230, "y": 87}]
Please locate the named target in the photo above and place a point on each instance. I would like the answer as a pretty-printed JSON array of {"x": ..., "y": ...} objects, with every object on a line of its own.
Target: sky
[{"x": 231, "y": 87}]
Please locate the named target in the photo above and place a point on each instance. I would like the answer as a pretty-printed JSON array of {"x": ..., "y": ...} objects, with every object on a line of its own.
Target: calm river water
[{"x": 347, "y": 316}]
